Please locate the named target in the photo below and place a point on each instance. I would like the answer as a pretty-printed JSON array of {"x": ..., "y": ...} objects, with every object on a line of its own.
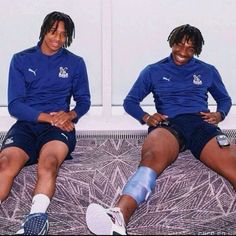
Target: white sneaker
[{"x": 103, "y": 221}]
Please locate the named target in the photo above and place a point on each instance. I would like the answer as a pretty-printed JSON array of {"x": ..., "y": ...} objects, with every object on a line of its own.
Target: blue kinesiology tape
[{"x": 141, "y": 184}]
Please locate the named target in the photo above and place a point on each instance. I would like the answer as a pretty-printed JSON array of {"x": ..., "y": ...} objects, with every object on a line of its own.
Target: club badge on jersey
[{"x": 63, "y": 72}]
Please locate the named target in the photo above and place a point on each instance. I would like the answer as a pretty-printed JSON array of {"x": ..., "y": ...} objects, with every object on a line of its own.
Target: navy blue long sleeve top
[
  {"x": 177, "y": 89},
  {"x": 40, "y": 83}
]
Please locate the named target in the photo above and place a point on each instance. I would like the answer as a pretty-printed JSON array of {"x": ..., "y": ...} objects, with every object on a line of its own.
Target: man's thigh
[
  {"x": 13, "y": 159},
  {"x": 221, "y": 160},
  {"x": 56, "y": 143},
  {"x": 20, "y": 142},
  {"x": 160, "y": 149}
]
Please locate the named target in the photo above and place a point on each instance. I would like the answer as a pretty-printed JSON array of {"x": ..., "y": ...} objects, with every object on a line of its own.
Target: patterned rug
[{"x": 188, "y": 199}]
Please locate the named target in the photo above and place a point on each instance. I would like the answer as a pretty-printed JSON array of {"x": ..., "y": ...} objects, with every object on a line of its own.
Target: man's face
[
  {"x": 183, "y": 52},
  {"x": 54, "y": 39}
]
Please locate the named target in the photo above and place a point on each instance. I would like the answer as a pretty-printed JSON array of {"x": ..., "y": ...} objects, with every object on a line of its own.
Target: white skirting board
[{"x": 118, "y": 120}]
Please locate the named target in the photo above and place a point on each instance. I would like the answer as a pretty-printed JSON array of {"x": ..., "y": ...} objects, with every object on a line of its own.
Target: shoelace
[{"x": 116, "y": 213}]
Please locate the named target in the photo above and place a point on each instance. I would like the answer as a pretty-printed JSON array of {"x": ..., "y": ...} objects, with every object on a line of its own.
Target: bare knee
[
  {"x": 6, "y": 168},
  {"x": 156, "y": 160},
  {"x": 159, "y": 150},
  {"x": 150, "y": 155},
  {"x": 4, "y": 163},
  {"x": 48, "y": 168}
]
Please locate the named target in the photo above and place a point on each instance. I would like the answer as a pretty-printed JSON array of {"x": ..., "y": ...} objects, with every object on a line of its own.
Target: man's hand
[
  {"x": 153, "y": 120},
  {"x": 66, "y": 126},
  {"x": 63, "y": 120},
  {"x": 211, "y": 117}
]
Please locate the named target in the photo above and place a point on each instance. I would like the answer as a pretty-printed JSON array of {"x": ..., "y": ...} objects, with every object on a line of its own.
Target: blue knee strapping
[{"x": 141, "y": 184}]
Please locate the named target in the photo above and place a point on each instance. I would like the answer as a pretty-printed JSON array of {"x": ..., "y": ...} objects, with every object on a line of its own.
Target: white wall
[
  {"x": 140, "y": 29},
  {"x": 21, "y": 21},
  {"x": 117, "y": 39}
]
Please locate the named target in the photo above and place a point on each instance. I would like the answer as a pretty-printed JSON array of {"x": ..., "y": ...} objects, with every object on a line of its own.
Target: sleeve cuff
[{"x": 222, "y": 115}]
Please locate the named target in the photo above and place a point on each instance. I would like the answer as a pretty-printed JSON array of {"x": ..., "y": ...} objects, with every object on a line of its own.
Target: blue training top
[
  {"x": 40, "y": 83},
  {"x": 178, "y": 89}
]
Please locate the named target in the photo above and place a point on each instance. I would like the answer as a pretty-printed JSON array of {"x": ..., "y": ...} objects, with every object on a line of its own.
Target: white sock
[{"x": 40, "y": 203}]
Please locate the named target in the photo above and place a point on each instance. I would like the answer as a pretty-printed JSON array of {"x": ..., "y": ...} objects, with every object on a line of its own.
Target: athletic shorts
[
  {"x": 191, "y": 131},
  {"x": 30, "y": 137}
]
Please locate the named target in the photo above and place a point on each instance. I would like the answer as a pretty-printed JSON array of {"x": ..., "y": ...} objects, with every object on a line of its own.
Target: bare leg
[
  {"x": 221, "y": 160},
  {"x": 51, "y": 157},
  {"x": 12, "y": 160},
  {"x": 159, "y": 150}
]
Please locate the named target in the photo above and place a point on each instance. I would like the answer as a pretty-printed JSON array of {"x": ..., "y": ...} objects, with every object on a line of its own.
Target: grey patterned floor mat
[{"x": 188, "y": 198}]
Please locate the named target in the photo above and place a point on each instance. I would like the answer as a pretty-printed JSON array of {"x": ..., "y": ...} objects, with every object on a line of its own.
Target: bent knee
[
  {"x": 4, "y": 163},
  {"x": 157, "y": 160},
  {"x": 6, "y": 168},
  {"x": 150, "y": 155},
  {"x": 154, "y": 155},
  {"x": 48, "y": 167}
]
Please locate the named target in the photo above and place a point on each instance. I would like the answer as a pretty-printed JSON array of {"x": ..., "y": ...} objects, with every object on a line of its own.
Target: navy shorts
[
  {"x": 31, "y": 137},
  {"x": 191, "y": 131}
]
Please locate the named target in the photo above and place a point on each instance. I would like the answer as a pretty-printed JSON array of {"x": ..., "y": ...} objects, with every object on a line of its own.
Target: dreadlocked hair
[
  {"x": 187, "y": 32},
  {"x": 50, "y": 20}
]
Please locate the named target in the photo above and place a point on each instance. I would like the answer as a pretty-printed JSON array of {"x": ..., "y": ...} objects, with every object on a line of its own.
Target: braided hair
[
  {"x": 50, "y": 20},
  {"x": 187, "y": 32}
]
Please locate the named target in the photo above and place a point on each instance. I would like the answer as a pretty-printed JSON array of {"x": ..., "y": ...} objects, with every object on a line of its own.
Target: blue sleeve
[
  {"x": 81, "y": 93},
  {"x": 16, "y": 92},
  {"x": 219, "y": 93},
  {"x": 141, "y": 88}
]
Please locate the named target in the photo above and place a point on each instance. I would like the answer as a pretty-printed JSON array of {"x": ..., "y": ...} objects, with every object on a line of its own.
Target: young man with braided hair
[
  {"x": 42, "y": 81},
  {"x": 180, "y": 84}
]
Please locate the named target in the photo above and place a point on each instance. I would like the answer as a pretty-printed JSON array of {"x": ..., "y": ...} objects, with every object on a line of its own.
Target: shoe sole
[{"x": 97, "y": 220}]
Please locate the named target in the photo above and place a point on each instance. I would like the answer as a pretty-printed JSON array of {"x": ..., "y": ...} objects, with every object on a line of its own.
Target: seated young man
[
  {"x": 42, "y": 81},
  {"x": 180, "y": 84}
]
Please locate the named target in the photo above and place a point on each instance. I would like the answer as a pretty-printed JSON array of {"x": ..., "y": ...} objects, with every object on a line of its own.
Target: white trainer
[{"x": 101, "y": 221}]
